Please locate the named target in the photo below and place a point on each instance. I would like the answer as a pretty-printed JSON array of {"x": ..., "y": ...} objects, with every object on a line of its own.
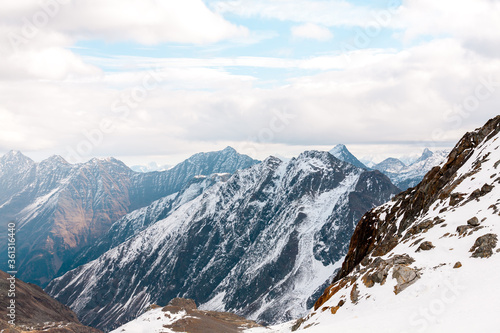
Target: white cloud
[
  {"x": 397, "y": 97},
  {"x": 35, "y": 36},
  {"x": 311, "y": 31},
  {"x": 387, "y": 96},
  {"x": 143, "y": 21},
  {"x": 475, "y": 23}
]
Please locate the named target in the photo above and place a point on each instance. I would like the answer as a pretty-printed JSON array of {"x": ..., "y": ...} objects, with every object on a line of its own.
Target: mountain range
[
  {"x": 274, "y": 231},
  {"x": 259, "y": 239},
  {"x": 406, "y": 176},
  {"x": 425, "y": 261},
  {"x": 61, "y": 208}
]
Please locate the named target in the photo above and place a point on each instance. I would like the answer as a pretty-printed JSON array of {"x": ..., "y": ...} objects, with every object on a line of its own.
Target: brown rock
[
  {"x": 354, "y": 293},
  {"x": 183, "y": 303},
  {"x": 483, "y": 246},
  {"x": 458, "y": 264},
  {"x": 405, "y": 277},
  {"x": 425, "y": 246},
  {"x": 473, "y": 222},
  {"x": 462, "y": 229},
  {"x": 455, "y": 198}
]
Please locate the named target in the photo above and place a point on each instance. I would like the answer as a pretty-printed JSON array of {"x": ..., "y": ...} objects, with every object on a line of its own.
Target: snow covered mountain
[
  {"x": 136, "y": 221},
  {"x": 341, "y": 152},
  {"x": 263, "y": 244},
  {"x": 390, "y": 165},
  {"x": 60, "y": 208},
  {"x": 404, "y": 176},
  {"x": 428, "y": 261}
]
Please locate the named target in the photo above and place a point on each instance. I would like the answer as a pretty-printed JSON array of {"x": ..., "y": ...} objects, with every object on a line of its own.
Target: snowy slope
[
  {"x": 428, "y": 261},
  {"x": 182, "y": 315},
  {"x": 263, "y": 244}
]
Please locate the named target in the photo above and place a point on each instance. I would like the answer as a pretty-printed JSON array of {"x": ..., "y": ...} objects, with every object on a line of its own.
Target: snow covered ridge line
[
  {"x": 263, "y": 244},
  {"x": 421, "y": 262}
]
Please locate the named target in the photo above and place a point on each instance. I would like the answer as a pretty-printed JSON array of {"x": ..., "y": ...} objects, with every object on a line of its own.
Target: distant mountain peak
[
  {"x": 229, "y": 149},
  {"x": 57, "y": 159},
  {"x": 15, "y": 155},
  {"x": 341, "y": 152},
  {"x": 425, "y": 155},
  {"x": 16, "y": 159}
]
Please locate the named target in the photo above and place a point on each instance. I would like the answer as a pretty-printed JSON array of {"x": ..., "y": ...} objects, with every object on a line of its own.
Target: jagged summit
[
  {"x": 341, "y": 152},
  {"x": 406, "y": 176},
  {"x": 427, "y": 153}
]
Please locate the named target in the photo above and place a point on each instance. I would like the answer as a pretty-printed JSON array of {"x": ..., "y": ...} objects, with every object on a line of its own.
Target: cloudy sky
[{"x": 159, "y": 80}]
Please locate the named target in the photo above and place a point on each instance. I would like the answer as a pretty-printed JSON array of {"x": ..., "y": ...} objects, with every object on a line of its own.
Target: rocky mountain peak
[
  {"x": 229, "y": 149},
  {"x": 341, "y": 152},
  {"x": 438, "y": 184},
  {"x": 425, "y": 155},
  {"x": 15, "y": 158},
  {"x": 54, "y": 160}
]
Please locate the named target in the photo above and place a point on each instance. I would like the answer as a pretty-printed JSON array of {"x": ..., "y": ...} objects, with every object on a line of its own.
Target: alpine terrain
[
  {"x": 428, "y": 261},
  {"x": 263, "y": 244},
  {"x": 61, "y": 208},
  {"x": 406, "y": 176}
]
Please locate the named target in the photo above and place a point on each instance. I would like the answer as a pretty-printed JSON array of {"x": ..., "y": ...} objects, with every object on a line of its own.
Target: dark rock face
[
  {"x": 239, "y": 244},
  {"x": 61, "y": 208},
  {"x": 34, "y": 308},
  {"x": 473, "y": 222}
]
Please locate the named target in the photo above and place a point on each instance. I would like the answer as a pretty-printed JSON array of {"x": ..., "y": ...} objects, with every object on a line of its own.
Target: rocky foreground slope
[
  {"x": 428, "y": 261},
  {"x": 182, "y": 315},
  {"x": 262, "y": 244},
  {"x": 34, "y": 310}
]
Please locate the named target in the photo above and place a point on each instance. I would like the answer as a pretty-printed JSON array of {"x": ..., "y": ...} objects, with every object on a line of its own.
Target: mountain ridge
[
  {"x": 276, "y": 228},
  {"x": 60, "y": 208}
]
